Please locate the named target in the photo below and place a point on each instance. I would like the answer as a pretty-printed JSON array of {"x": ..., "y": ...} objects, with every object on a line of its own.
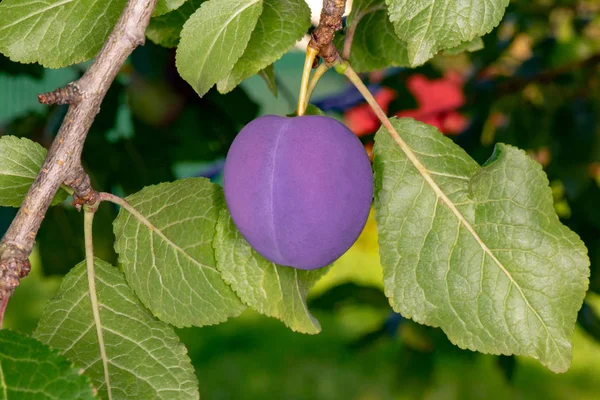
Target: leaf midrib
[{"x": 425, "y": 173}]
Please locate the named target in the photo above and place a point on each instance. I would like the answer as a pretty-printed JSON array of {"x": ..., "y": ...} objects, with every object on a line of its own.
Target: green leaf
[
  {"x": 375, "y": 44},
  {"x": 268, "y": 75},
  {"x": 428, "y": 26},
  {"x": 166, "y": 29},
  {"x": 470, "y": 46},
  {"x": 56, "y": 33},
  {"x": 31, "y": 370},
  {"x": 271, "y": 289},
  {"x": 213, "y": 39},
  {"x": 477, "y": 251},
  {"x": 167, "y": 255},
  {"x": 279, "y": 27},
  {"x": 20, "y": 162},
  {"x": 165, "y": 6},
  {"x": 143, "y": 356}
]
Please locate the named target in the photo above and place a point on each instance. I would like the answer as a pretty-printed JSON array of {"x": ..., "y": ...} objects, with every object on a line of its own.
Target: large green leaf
[
  {"x": 271, "y": 289},
  {"x": 477, "y": 251},
  {"x": 30, "y": 370},
  {"x": 375, "y": 44},
  {"x": 428, "y": 26},
  {"x": 56, "y": 33},
  {"x": 167, "y": 255},
  {"x": 166, "y": 29},
  {"x": 213, "y": 39},
  {"x": 142, "y": 356},
  {"x": 20, "y": 162},
  {"x": 281, "y": 24},
  {"x": 165, "y": 6}
]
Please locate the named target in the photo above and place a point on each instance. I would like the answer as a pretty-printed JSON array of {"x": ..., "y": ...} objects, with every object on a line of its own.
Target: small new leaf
[
  {"x": 428, "y": 26},
  {"x": 20, "y": 162},
  {"x": 144, "y": 356},
  {"x": 31, "y": 370},
  {"x": 56, "y": 33},
  {"x": 375, "y": 44},
  {"x": 166, "y": 29},
  {"x": 213, "y": 39},
  {"x": 477, "y": 250},
  {"x": 166, "y": 252},
  {"x": 470, "y": 46},
  {"x": 280, "y": 25},
  {"x": 271, "y": 289},
  {"x": 165, "y": 6}
]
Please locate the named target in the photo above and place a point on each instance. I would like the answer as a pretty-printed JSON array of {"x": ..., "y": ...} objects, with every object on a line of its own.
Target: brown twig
[
  {"x": 63, "y": 163},
  {"x": 329, "y": 23}
]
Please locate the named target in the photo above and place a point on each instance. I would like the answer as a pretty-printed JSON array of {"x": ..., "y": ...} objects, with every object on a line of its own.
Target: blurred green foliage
[{"x": 535, "y": 84}]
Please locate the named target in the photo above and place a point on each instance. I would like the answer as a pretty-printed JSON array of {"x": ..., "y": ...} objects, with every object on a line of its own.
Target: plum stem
[
  {"x": 311, "y": 54},
  {"x": 319, "y": 72}
]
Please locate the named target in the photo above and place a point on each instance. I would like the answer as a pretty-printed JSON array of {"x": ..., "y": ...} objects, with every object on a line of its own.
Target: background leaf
[
  {"x": 166, "y": 29},
  {"x": 30, "y": 370},
  {"x": 428, "y": 26},
  {"x": 375, "y": 44},
  {"x": 167, "y": 255},
  {"x": 271, "y": 289},
  {"x": 500, "y": 275},
  {"x": 145, "y": 358},
  {"x": 213, "y": 39},
  {"x": 20, "y": 162},
  {"x": 280, "y": 25},
  {"x": 56, "y": 33}
]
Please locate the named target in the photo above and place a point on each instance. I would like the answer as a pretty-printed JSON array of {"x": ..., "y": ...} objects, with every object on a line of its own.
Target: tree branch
[
  {"x": 329, "y": 23},
  {"x": 63, "y": 163}
]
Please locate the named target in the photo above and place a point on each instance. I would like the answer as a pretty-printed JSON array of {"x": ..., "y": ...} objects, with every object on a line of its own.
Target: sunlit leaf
[
  {"x": 280, "y": 25},
  {"x": 213, "y": 39},
  {"x": 428, "y": 26},
  {"x": 143, "y": 356},
  {"x": 478, "y": 251},
  {"x": 56, "y": 33},
  {"x": 20, "y": 162},
  {"x": 31, "y": 370},
  {"x": 166, "y": 252}
]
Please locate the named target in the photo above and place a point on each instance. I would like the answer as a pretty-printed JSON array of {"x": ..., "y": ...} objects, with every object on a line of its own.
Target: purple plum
[{"x": 299, "y": 189}]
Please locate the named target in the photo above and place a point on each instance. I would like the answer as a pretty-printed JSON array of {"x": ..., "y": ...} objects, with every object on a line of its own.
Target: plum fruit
[{"x": 298, "y": 189}]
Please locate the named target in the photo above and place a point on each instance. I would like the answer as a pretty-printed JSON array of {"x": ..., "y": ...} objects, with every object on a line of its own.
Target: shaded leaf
[
  {"x": 428, "y": 26},
  {"x": 268, "y": 75},
  {"x": 56, "y": 33},
  {"x": 166, "y": 29},
  {"x": 280, "y": 25},
  {"x": 477, "y": 251},
  {"x": 213, "y": 39},
  {"x": 375, "y": 44},
  {"x": 271, "y": 289},
  {"x": 31, "y": 370},
  {"x": 20, "y": 162},
  {"x": 144, "y": 357},
  {"x": 167, "y": 255}
]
